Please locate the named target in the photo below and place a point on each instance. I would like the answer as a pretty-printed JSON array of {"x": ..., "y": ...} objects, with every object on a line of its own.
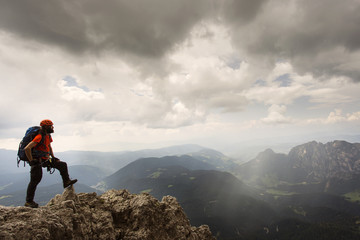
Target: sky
[{"x": 118, "y": 75}]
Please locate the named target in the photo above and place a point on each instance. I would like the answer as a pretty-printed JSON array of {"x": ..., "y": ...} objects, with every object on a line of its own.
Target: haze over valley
[{"x": 311, "y": 190}]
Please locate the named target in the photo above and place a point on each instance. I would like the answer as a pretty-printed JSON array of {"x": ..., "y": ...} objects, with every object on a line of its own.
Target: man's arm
[
  {"x": 51, "y": 151},
  {"x": 28, "y": 150},
  {"x": 52, "y": 154}
]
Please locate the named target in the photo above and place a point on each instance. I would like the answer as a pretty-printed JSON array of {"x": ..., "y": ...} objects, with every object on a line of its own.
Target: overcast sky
[{"x": 119, "y": 75}]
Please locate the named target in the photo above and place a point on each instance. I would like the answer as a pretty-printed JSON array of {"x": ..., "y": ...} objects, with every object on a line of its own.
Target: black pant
[{"x": 36, "y": 175}]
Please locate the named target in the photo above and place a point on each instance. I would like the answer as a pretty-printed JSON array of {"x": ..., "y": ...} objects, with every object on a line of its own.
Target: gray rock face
[
  {"x": 338, "y": 159},
  {"x": 116, "y": 214}
]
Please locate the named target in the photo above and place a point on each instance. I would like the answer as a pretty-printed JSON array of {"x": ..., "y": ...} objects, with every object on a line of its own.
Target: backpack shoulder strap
[{"x": 42, "y": 138}]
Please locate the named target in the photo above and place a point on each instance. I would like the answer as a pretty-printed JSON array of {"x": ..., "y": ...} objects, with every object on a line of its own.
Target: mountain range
[
  {"x": 88, "y": 167},
  {"x": 311, "y": 190},
  {"x": 333, "y": 167},
  {"x": 113, "y": 161}
]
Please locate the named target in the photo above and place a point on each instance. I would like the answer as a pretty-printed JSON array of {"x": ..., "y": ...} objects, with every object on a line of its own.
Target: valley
[{"x": 311, "y": 190}]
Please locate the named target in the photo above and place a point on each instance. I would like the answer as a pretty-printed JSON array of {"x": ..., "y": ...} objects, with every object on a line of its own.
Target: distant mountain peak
[
  {"x": 337, "y": 159},
  {"x": 267, "y": 153},
  {"x": 311, "y": 162}
]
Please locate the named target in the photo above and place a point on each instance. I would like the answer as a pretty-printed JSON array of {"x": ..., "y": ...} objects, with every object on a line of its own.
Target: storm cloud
[
  {"x": 145, "y": 28},
  {"x": 321, "y": 37}
]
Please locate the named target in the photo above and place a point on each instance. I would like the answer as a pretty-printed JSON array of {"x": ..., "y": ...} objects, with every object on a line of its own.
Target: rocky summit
[
  {"x": 116, "y": 214},
  {"x": 338, "y": 159}
]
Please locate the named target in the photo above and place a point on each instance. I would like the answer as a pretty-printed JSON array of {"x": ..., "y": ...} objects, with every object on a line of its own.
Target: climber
[{"x": 43, "y": 146}]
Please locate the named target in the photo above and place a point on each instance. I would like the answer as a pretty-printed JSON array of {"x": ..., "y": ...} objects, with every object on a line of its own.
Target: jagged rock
[
  {"x": 333, "y": 160},
  {"x": 116, "y": 214}
]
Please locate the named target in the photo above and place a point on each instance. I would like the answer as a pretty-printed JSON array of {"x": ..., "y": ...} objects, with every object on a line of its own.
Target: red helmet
[{"x": 46, "y": 122}]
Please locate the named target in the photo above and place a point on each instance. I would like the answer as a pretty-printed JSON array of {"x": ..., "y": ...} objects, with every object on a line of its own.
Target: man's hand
[
  {"x": 28, "y": 150},
  {"x": 33, "y": 162},
  {"x": 56, "y": 159}
]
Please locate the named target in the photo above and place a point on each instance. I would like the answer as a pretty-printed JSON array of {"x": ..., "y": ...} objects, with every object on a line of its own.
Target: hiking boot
[
  {"x": 31, "y": 204},
  {"x": 69, "y": 182}
]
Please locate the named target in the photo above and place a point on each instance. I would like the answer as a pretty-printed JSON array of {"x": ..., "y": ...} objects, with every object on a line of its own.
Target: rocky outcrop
[
  {"x": 324, "y": 166},
  {"x": 116, "y": 214},
  {"x": 338, "y": 160}
]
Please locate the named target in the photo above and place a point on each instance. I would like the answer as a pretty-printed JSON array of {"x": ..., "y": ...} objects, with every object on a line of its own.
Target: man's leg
[
  {"x": 35, "y": 178},
  {"x": 63, "y": 169}
]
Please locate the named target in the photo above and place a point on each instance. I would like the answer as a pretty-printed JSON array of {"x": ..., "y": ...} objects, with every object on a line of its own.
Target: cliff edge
[{"x": 116, "y": 214}]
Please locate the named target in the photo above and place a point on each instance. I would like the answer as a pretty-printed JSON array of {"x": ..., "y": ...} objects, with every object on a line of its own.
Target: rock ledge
[{"x": 116, "y": 214}]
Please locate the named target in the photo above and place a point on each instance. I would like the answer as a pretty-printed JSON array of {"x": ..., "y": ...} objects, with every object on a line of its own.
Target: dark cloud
[
  {"x": 146, "y": 28},
  {"x": 140, "y": 27},
  {"x": 240, "y": 11},
  {"x": 51, "y": 22},
  {"x": 321, "y": 37}
]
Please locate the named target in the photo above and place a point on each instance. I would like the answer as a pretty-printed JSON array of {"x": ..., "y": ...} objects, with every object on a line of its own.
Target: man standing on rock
[{"x": 44, "y": 147}]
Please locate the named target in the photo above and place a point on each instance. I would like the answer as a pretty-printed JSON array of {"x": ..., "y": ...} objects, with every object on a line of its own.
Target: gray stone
[{"x": 116, "y": 214}]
